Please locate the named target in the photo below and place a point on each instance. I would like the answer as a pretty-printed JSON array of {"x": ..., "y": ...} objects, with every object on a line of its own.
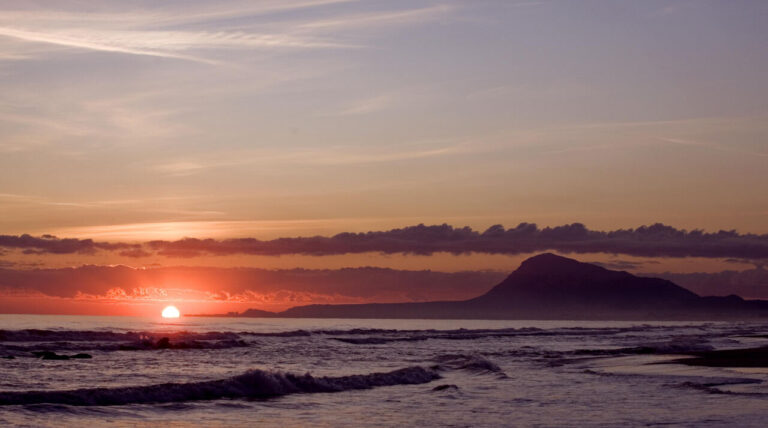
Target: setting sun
[{"x": 171, "y": 312}]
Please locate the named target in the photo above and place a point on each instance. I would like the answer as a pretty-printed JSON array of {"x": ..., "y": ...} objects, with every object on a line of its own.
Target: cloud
[
  {"x": 165, "y": 44},
  {"x": 135, "y": 253},
  {"x": 48, "y": 244},
  {"x": 657, "y": 240},
  {"x": 338, "y": 155},
  {"x": 194, "y": 32},
  {"x": 713, "y": 146},
  {"x": 758, "y": 263},
  {"x": 624, "y": 264},
  {"x": 366, "y": 106},
  {"x": 387, "y": 18},
  {"x": 351, "y": 158},
  {"x": 109, "y": 43},
  {"x": 244, "y": 285},
  {"x": 290, "y": 287}
]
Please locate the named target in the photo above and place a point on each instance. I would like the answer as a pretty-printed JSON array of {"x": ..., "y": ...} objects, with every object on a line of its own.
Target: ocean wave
[
  {"x": 392, "y": 332},
  {"x": 473, "y": 363},
  {"x": 445, "y": 387},
  {"x": 380, "y": 336},
  {"x": 144, "y": 345},
  {"x": 21, "y": 343},
  {"x": 719, "y": 386},
  {"x": 461, "y": 332},
  {"x": 166, "y": 343},
  {"x": 36, "y": 335},
  {"x": 676, "y": 346},
  {"x": 53, "y": 335},
  {"x": 252, "y": 384}
]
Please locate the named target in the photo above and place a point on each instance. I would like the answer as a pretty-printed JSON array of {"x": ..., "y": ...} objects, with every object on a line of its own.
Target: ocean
[{"x": 213, "y": 372}]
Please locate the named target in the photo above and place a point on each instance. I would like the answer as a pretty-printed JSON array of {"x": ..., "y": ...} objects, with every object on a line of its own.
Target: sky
[{"x": 126, "y": 122}]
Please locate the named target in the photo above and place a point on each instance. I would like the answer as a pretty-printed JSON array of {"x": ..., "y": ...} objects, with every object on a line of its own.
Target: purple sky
[
  {"x": 287, "y": 118},
  {"x": 124, "y": 122}
]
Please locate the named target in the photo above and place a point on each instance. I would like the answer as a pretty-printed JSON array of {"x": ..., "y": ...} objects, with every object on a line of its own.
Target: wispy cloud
[
  {"x": 376, "y": 157},
  {"x": 178, "y": 207},
  {"x": 157, "y": 32},
  {"x": 11, "y": 198},
  {"x": 125, "y": 15},
  {"x": 180, "y": 168},
  {"x": 582, "y": 148},
  {"x": 33, "y": 122},
  {"x": 712, "y": 146},
  {"x": 366, "y": 106},
  {"x": 218, "y": 11},
  {"x": 85, "y": 40},
  {"x": 387, "y": 18},
  {"x": 165, "y": 44},
  {"x": 339, "y": 155}
]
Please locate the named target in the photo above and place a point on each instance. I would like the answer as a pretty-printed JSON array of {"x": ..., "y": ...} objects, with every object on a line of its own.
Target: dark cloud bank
[
  {"x": 350, "y": 284},
  {"x": 365, "y": 283},
  {"x": 49, "y": 244},
  {"x": 657, "y": 240}
]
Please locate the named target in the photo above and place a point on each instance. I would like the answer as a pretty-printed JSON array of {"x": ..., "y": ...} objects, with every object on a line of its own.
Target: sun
[{"x": 171, "y": 312}]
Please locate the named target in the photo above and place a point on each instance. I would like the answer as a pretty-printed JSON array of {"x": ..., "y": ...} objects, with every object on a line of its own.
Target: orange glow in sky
[{"x": 256, "y": 121}]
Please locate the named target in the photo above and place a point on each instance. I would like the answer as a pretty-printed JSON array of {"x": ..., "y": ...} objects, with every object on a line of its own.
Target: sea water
[{"x": 211, "y": 372}]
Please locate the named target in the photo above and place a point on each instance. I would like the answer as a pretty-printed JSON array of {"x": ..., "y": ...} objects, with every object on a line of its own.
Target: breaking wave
[
  {"x": 381, "y": 336},
  {"x": 37, "y": 335},
  {"x": 473, "y": 363},
  {"x": 680, "y": 345},
  {"x": 143, "y": 345},
  {"x": 252, "y": 384},
  {"x": 41, "y": 335},
  {"x": 21, "y": 342}
]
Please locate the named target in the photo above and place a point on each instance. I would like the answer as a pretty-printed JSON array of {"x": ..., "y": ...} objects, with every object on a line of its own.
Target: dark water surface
[{"x": 299, "y": 372}]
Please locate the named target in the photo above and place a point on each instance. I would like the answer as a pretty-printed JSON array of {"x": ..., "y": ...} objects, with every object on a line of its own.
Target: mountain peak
[
  {"x": 547, "y": 258},
  {"x": 548, "y": 263}
]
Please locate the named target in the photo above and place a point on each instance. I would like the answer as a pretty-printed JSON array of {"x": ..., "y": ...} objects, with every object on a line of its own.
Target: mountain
[
  {"x": 560, "y": 287},
  {"x": 548, "y": 286}
]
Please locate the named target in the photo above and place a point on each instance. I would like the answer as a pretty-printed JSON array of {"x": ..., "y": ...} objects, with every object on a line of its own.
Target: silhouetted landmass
[
  {"x": 750, "y": 283},
  {"x": 552, "y": 287},
  {"x": 256, "y": 313}
]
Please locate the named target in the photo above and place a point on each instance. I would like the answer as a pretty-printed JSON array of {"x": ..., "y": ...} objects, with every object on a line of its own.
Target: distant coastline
[{"x": 551, "y": 287}]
